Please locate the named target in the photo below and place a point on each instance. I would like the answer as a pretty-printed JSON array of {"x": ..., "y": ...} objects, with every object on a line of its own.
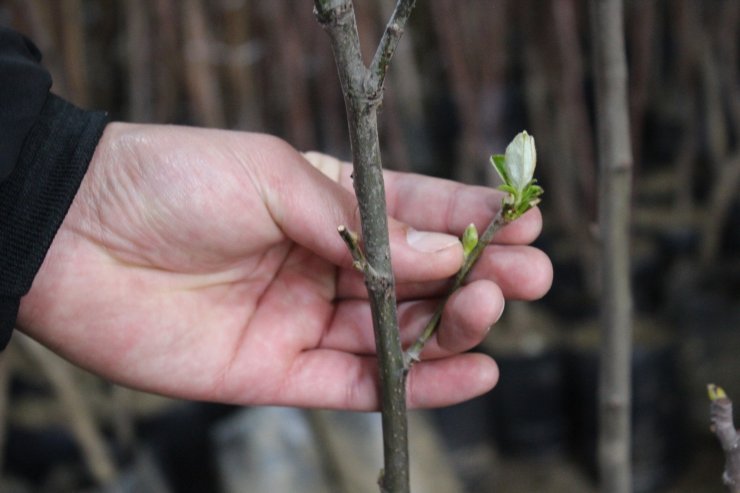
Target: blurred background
[{"x": 466, "y": 78}]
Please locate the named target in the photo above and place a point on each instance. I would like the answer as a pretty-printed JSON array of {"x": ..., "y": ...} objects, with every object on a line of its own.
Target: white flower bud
[{"x": 521, "y": 158}]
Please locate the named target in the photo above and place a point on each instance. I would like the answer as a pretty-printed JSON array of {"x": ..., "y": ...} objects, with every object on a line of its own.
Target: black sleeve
[
  {"x": 24, "y": 85},
  {"x": 46, "y": 145}
]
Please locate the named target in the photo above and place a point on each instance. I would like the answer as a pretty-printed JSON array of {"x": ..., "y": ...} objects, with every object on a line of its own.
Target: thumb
[
  {"x": 310, "y": 204},
  {"x": 423, "y": 255}
]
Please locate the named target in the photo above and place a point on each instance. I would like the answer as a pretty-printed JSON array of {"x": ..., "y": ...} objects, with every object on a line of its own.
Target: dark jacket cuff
[{"x": 37, "y": 195}]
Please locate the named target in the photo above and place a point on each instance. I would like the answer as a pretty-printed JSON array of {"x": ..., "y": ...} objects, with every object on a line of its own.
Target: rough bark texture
[
  {"x": 615, "y": 161},
  {"x": 723, "y": 426},
  {"x": 363, "y": 90}
]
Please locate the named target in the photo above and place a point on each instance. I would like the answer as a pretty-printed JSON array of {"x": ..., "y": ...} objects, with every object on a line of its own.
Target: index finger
[{"x": 435, "y": 204}]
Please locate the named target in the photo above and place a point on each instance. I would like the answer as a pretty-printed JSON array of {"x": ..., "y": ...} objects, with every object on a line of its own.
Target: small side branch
[
  {"x": 359, "y": 261},
  {"x": 413, "y": 353},
  {"x": 389, "y": 41},
  {"x": 722, "y": 425}
]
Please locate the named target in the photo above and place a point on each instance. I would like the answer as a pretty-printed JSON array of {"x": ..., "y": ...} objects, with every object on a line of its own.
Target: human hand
[{"x": 205, "y": 264}]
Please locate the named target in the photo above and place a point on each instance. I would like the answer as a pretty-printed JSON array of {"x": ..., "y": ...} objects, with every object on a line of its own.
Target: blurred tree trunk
[
  {"x": 73, "y": 51},
  {"x": 572, "y": 105},
  {"x": 201, "y": 80},
  {"x": 288, "y": 74},
  {"x": 240, "y": 77},
  {"x": 615, "y": 162},
  {"x": 139, "y": 48},
  {"x": 169, "y": 62}
]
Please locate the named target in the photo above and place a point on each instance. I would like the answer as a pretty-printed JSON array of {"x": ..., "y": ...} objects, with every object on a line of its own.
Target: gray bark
[
  {"x": 615, "y": 162},
  {"x": 363, "y": 91}
]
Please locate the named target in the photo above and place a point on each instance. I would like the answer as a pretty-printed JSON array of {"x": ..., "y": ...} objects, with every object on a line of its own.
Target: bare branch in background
[
  {"x": 554, "y": 139},
  {"x": 451, "y": 36},
  {"x": 73, "y": 51},
  {"x": 615, "y": 193},
  {"x": 39, "y": 16},
  {"x": 138, "y": 49},
  {"x": 288, "y": 74},
  {"x": 78, "y": 412},
  {"x": 169, "y": 61},
  {"x": 572, "y": 107},
  {"x": 201, "y": 80},
  {"x": 240, "y": 76}
]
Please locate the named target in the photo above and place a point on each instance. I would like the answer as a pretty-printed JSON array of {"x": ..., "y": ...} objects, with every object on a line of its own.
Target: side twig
[
  {"x": 516, "y": 171},
  {"x": 413, "y": 353}
]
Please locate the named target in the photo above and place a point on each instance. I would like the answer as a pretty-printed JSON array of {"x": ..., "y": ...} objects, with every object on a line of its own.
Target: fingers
[
  {"x": 449, "y": 381},
  {"x": 467, "y": 317},
  {"x": 335, "y": 380},
  {"x": 432, "y": 204},
  {"x": 442, "y": 205},
  {"x": 308, "y": 206},
  {"x": 522, "y": 273},
  {"x": 436, "y": 204}
]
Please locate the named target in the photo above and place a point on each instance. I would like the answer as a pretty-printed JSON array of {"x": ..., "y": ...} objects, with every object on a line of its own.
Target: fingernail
[
  {"x": 429, "y": 242},
  {"x": 501, "y": 312}
]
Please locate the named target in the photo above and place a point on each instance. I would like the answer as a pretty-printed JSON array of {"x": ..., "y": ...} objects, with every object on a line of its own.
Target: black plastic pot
[
  {"x": 659, "y": 438},
  {"x": 528, "y": 406}
]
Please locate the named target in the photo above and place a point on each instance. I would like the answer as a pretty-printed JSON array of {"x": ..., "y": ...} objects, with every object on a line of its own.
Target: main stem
[
  {"x": 368, "y": 183},
  {"x": 363, "y": 89},
  {"x": 615, "y": 162}
]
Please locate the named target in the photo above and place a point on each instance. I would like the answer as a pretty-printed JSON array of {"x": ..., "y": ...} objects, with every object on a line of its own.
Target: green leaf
[
  {"x": 516, "y": 169},
  {"x": 531, "y": 194},
  {"x": 511, "y": 191},
  {"x": 499, "y": 162}
]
